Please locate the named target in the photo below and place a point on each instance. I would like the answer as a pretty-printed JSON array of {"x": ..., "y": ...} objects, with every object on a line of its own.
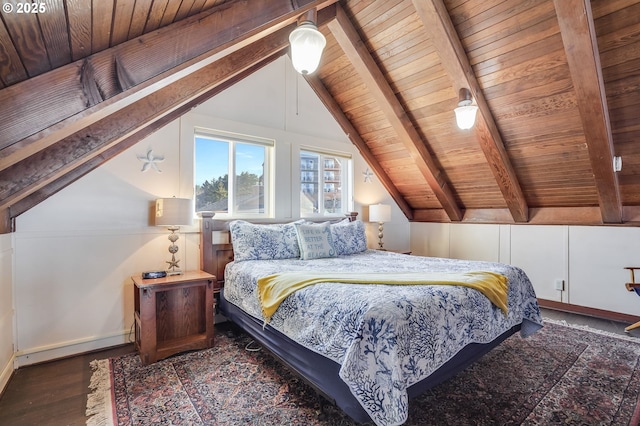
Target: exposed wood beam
[
  {"x": 46, "y": 166},
  {"x": 42, "y": 194},
  {"x": 537, "y": 216},
  {"x": 6, "y": 221},
  {"x": 445, "y": 40},
  {"x": 37, "y": 113},
  {"x": 346, "y": 125},
  {"x": 379, "y": 87},
  {"x": 581, "y": 47},
  {"x": 430, "y": 215},
  {"x": 631, "y": 214}
]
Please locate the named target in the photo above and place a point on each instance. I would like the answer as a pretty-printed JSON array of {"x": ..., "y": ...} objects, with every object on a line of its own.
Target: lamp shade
[
  {"x": 466, "y": 116},
  {"x": 307, "y": 44},
  {"x": 379, "y": 213},
  {"x": 173, "y": 212}
]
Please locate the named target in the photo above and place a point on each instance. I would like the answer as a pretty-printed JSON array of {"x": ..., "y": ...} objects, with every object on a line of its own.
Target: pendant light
[
  {"x": 307, "y": 44},
  {"x": 465, "y": 113}
]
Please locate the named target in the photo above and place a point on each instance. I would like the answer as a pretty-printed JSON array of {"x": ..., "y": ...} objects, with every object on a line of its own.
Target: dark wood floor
[
  {"x": 52, "y": 393},
  {"x": 55, "y": 393}
]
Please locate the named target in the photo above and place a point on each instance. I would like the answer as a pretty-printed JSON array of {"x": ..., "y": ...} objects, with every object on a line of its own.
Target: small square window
[{"x": 232, "y": 174}]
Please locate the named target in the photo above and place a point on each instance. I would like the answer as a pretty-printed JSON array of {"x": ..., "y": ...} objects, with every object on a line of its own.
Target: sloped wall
[{"x": 76, "y": 251}]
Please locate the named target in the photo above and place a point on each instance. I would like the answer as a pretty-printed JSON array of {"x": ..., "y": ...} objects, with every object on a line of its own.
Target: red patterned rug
[{"x": 560, "y": 375}]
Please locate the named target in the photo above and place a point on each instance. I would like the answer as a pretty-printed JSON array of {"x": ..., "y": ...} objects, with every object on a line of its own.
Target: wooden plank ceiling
[{"x": 555, "y": 82}]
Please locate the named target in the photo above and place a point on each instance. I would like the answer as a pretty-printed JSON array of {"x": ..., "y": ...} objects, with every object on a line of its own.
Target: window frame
[
  {"x": 346, "y": 173},
  {"x": 233, "y": 139}
]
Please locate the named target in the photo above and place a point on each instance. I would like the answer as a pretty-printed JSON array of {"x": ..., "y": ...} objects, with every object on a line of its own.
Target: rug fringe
[
  {"x": 593, "y": 330},
  {"x": 99, "y": 404}
]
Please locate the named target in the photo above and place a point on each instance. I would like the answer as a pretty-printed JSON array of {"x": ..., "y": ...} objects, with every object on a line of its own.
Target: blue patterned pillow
[
  {"x": 349, "y": 237},
  {"x": 315, "y": 241},
  {"x": 263, "y": 242}
]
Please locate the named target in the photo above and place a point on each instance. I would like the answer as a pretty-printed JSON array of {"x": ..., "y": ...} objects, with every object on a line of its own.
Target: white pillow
[{"x": 315, "y": 241}]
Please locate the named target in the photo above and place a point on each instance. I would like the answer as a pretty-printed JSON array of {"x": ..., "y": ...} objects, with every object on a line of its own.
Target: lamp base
[
  {"x": 173, "y": 268},
  {"x": 380, "y": 235}
]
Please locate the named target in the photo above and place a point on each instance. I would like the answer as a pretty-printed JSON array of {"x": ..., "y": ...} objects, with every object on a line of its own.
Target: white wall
[
  {"x": 589, "y": 259},
  {"x": 6, "y": 308},
  {"x": 75, "y": 252}
]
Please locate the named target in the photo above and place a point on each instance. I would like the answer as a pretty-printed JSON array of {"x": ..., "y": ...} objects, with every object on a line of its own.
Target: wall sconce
[
  {"x": 380, "y": 213},
  {"x": 307, "y": 44},
  {"x": 173, "y": 212},
  {"x": 465, "y": 113}
]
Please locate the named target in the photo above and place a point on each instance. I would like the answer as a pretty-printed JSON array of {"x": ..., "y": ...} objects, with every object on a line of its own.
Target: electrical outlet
[{"x": 559, "y": 285}]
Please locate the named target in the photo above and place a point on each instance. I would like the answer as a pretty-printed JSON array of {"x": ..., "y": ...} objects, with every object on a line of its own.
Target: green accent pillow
[{"x": 315, "y": 241}]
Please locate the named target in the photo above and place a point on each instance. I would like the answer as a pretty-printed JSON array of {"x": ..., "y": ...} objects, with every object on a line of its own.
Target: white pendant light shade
[
  {"x": 465, "y": 113},
  {"x": 466, "y": 116},
  {"x": 307, "y": 44}
]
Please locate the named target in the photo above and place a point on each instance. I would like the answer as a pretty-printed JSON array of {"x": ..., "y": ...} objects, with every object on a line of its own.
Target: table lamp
[
  {"x": 380, "y": 213},
  {"x": 172, "y": 213}
]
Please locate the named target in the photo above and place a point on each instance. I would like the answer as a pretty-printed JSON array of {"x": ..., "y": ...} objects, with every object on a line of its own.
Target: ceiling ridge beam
[
  {"x": 538, "y": 216},
  {"x": 330, "y": 103},
  {"x": 366, "y": 67},
  {"x": 437, "y": 22},
  {"x": 581, "y": 47},
  {"x": 37, "y": 113}
]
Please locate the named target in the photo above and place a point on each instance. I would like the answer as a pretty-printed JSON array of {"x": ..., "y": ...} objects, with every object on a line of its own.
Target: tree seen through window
[{"x": 216, "y": 160}]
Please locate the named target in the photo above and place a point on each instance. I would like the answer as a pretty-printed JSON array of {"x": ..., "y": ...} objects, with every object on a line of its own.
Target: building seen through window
[{"x": 323, "y": 183}]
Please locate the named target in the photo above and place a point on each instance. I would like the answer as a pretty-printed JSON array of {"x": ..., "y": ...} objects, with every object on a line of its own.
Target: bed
[{"x": 368, "y": 348}]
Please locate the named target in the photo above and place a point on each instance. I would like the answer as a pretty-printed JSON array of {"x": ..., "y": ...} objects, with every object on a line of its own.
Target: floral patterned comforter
[{"x": 386, "y": 338}]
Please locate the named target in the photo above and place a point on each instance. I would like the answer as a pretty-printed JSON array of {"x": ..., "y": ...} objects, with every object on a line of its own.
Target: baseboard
[
  {"x": 6, "y": 373},
  {"x": 591, "y": 312},
  {"x": 69, "y": 348}
]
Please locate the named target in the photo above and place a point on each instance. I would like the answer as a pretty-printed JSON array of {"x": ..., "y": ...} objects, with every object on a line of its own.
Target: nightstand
[{"x": 173, "y": 314}]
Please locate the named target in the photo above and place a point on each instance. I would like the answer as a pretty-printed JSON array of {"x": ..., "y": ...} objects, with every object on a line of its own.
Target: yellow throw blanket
[{"x": 273, "y": 289}]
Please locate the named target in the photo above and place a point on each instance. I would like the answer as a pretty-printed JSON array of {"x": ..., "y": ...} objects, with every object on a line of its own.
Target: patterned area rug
[{"x": 560, "y": 375}]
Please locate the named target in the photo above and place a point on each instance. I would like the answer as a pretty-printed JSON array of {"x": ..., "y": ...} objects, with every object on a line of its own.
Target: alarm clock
[{"x": 154, "y": 274}]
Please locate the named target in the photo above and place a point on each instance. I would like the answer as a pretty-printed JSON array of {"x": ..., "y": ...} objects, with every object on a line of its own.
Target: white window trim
[
  {"x": 347, "y": 198},
  {"x": 269, "y": 173}
]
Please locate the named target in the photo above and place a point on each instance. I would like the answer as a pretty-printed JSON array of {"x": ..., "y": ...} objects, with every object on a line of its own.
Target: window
[
  {"x": 232, "y": 173},
  {"x": 325, "y": 183}
]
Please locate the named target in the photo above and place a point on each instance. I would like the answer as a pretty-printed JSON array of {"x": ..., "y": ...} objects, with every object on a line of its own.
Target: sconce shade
[
  {"x": 173, "y": 212},
  {"x": 307, "y": 44},
  {"x": 465, "y": 112},
  {"x": 379, "y": 213}
]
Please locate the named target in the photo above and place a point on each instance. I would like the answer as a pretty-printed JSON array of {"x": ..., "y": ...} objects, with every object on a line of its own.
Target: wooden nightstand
[{"x": 173, "y": 314}]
